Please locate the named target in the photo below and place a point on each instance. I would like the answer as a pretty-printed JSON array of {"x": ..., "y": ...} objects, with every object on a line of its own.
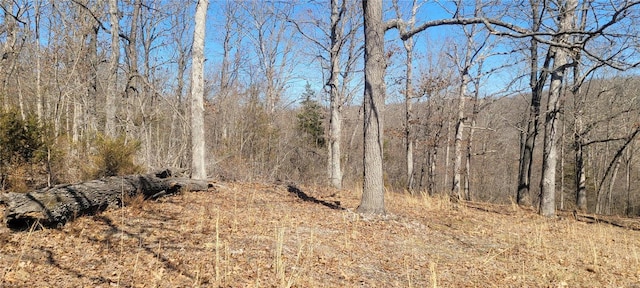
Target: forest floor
[{"x": 273, "y": 235}]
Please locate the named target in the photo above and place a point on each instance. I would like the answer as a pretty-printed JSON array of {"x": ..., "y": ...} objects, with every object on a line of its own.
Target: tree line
[{"x": 392, "y": 106}]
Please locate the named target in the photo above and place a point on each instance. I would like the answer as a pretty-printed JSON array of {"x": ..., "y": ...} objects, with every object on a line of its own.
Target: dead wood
[{"x": 54, "y": 206}]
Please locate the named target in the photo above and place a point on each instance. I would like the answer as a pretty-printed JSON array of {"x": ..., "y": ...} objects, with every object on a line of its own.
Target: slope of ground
[{"x": 260, "y": 235}]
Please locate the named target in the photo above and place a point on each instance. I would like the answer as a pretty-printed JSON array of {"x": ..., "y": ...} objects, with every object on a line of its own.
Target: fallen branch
[{"x": 54, "y": 206}]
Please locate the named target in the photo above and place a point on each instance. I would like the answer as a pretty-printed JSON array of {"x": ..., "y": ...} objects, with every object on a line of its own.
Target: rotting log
[{"x": 54, "y": 206}]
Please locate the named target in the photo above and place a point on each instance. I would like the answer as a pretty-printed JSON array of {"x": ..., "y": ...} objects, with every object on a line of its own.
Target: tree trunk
[
  {"x": 90, "y": 101},
  {"x": 110, "y": 107},
  {"x": 474, "y": 115},
  {"x": 562, "y": 156},
  {"x": 131, "y": 89},
  {"x": 52, "y": 207},
  {"x": 550, "y": 157},
  {"x": 39, "y": 96},
  {"x": 198, "y": 169},
  {"x": 408, "y": 93},
  {"x": 447, "y": 150},
  {"x": 629, "y": 165},
  {"x": 432, "y": 157},
  {"x": 536, "y": 82},
  {"x": 578, "y": 105},
  {"x": 7, "y": 61},
  {"x": 335, "y": 118},
  {"x": 374, "y": 95},
  {"x": 457, "y": 163},
  {"x": 612, "y": 183},
  {"x": 580, "y": 173},
  {"x": 408, "y": 46}
]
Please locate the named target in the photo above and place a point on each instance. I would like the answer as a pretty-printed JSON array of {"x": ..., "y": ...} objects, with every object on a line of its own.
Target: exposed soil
[{"x": 272, "y": 235}]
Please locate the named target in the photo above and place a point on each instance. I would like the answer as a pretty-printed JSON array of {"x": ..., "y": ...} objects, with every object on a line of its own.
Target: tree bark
[
  {"x": 90, "y": 102},
  {"x": 578, "y": 139},
  {"x": 550, "y": 157},
  {"x": 9, "y": 53},
  {"x": 408, "y": 132},
  {"x": 110, "y": 107},
  {"x": 198, "y": 169},
  {"x": 52, "y": 207},
  {"x": 335, "y": 101},
  {"x": 528, "y": 142},
  {"x": 629, "y": 165},
  {"x": 38, "y": 53},
  {"x": 131, "y": 50},
  {"x": 456, "y": 193},
  {"x": 374, "y": 94}
]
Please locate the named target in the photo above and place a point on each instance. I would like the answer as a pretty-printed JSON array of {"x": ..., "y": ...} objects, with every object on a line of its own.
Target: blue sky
[{"x": 433, "y": 41}]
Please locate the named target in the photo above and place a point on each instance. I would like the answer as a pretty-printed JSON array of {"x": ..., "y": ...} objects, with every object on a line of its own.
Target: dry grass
[{"x": 258, "y": 235}]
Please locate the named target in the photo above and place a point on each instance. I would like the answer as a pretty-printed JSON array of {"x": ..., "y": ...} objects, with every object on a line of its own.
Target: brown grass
[{"x": 259, "y": 235}]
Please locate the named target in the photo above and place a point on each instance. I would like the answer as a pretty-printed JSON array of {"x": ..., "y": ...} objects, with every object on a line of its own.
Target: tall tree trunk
[
  {"x": 580, "y": 173},
  {"x": 537, "y": 79},
  {"x": 408, "y": 96},
  {"x": 198, "y": 168},
  {"x": 374, "y": 95},
  {"x": 7, "y": 61},
  {"x": 39, "y": 96},
  {"x": 467, "y": 170},
  {"x": 474, "y": 115},
  {"x": 628, "y": 169},
  {"x": 408, "y": 131},
  {"x": 335, "y": 118},
  {"x": 112, "y": 92},
  {"x": 432, "y": 163},
  {"x": 92, "y": 77},
  {"x": 562, "y": 156},
  {"x": 457, "y": 163},
  {"x": 447, "y": 153},
  {"x": 612, "y": 183},
  {"x": 131, "y": 89},
  {"x": 550, "y": 157},
  {"x": 578, "y": 104}
]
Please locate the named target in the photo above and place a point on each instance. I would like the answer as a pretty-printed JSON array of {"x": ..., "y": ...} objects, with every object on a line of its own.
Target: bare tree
[
  {"x": 472, "y": 54},
  {"x": 343, "y": 50},
  {"x": 270, "y": 36},
  {"x": 177, "y": 151},
  {"x": 408, "y": 91},
  {"x": 198, "y": 154}
]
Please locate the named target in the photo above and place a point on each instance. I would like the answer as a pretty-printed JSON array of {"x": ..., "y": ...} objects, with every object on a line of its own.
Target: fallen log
[{"x": 54, "y": 206}]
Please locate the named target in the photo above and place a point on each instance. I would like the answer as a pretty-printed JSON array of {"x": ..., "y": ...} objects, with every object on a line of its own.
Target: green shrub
[
  {"x": 311, "y": 118},
  {"x": 23, "y": 151},
  {"x": 113, "y": 157},
  {"x": 20, "y": 140}
]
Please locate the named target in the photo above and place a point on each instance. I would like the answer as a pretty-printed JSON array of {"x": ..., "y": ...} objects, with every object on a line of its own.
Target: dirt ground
[{"x": 273, "y": 235}]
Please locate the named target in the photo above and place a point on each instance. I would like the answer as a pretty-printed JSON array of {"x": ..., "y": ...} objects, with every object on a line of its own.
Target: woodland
[{"x": 527, "y": 102}]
